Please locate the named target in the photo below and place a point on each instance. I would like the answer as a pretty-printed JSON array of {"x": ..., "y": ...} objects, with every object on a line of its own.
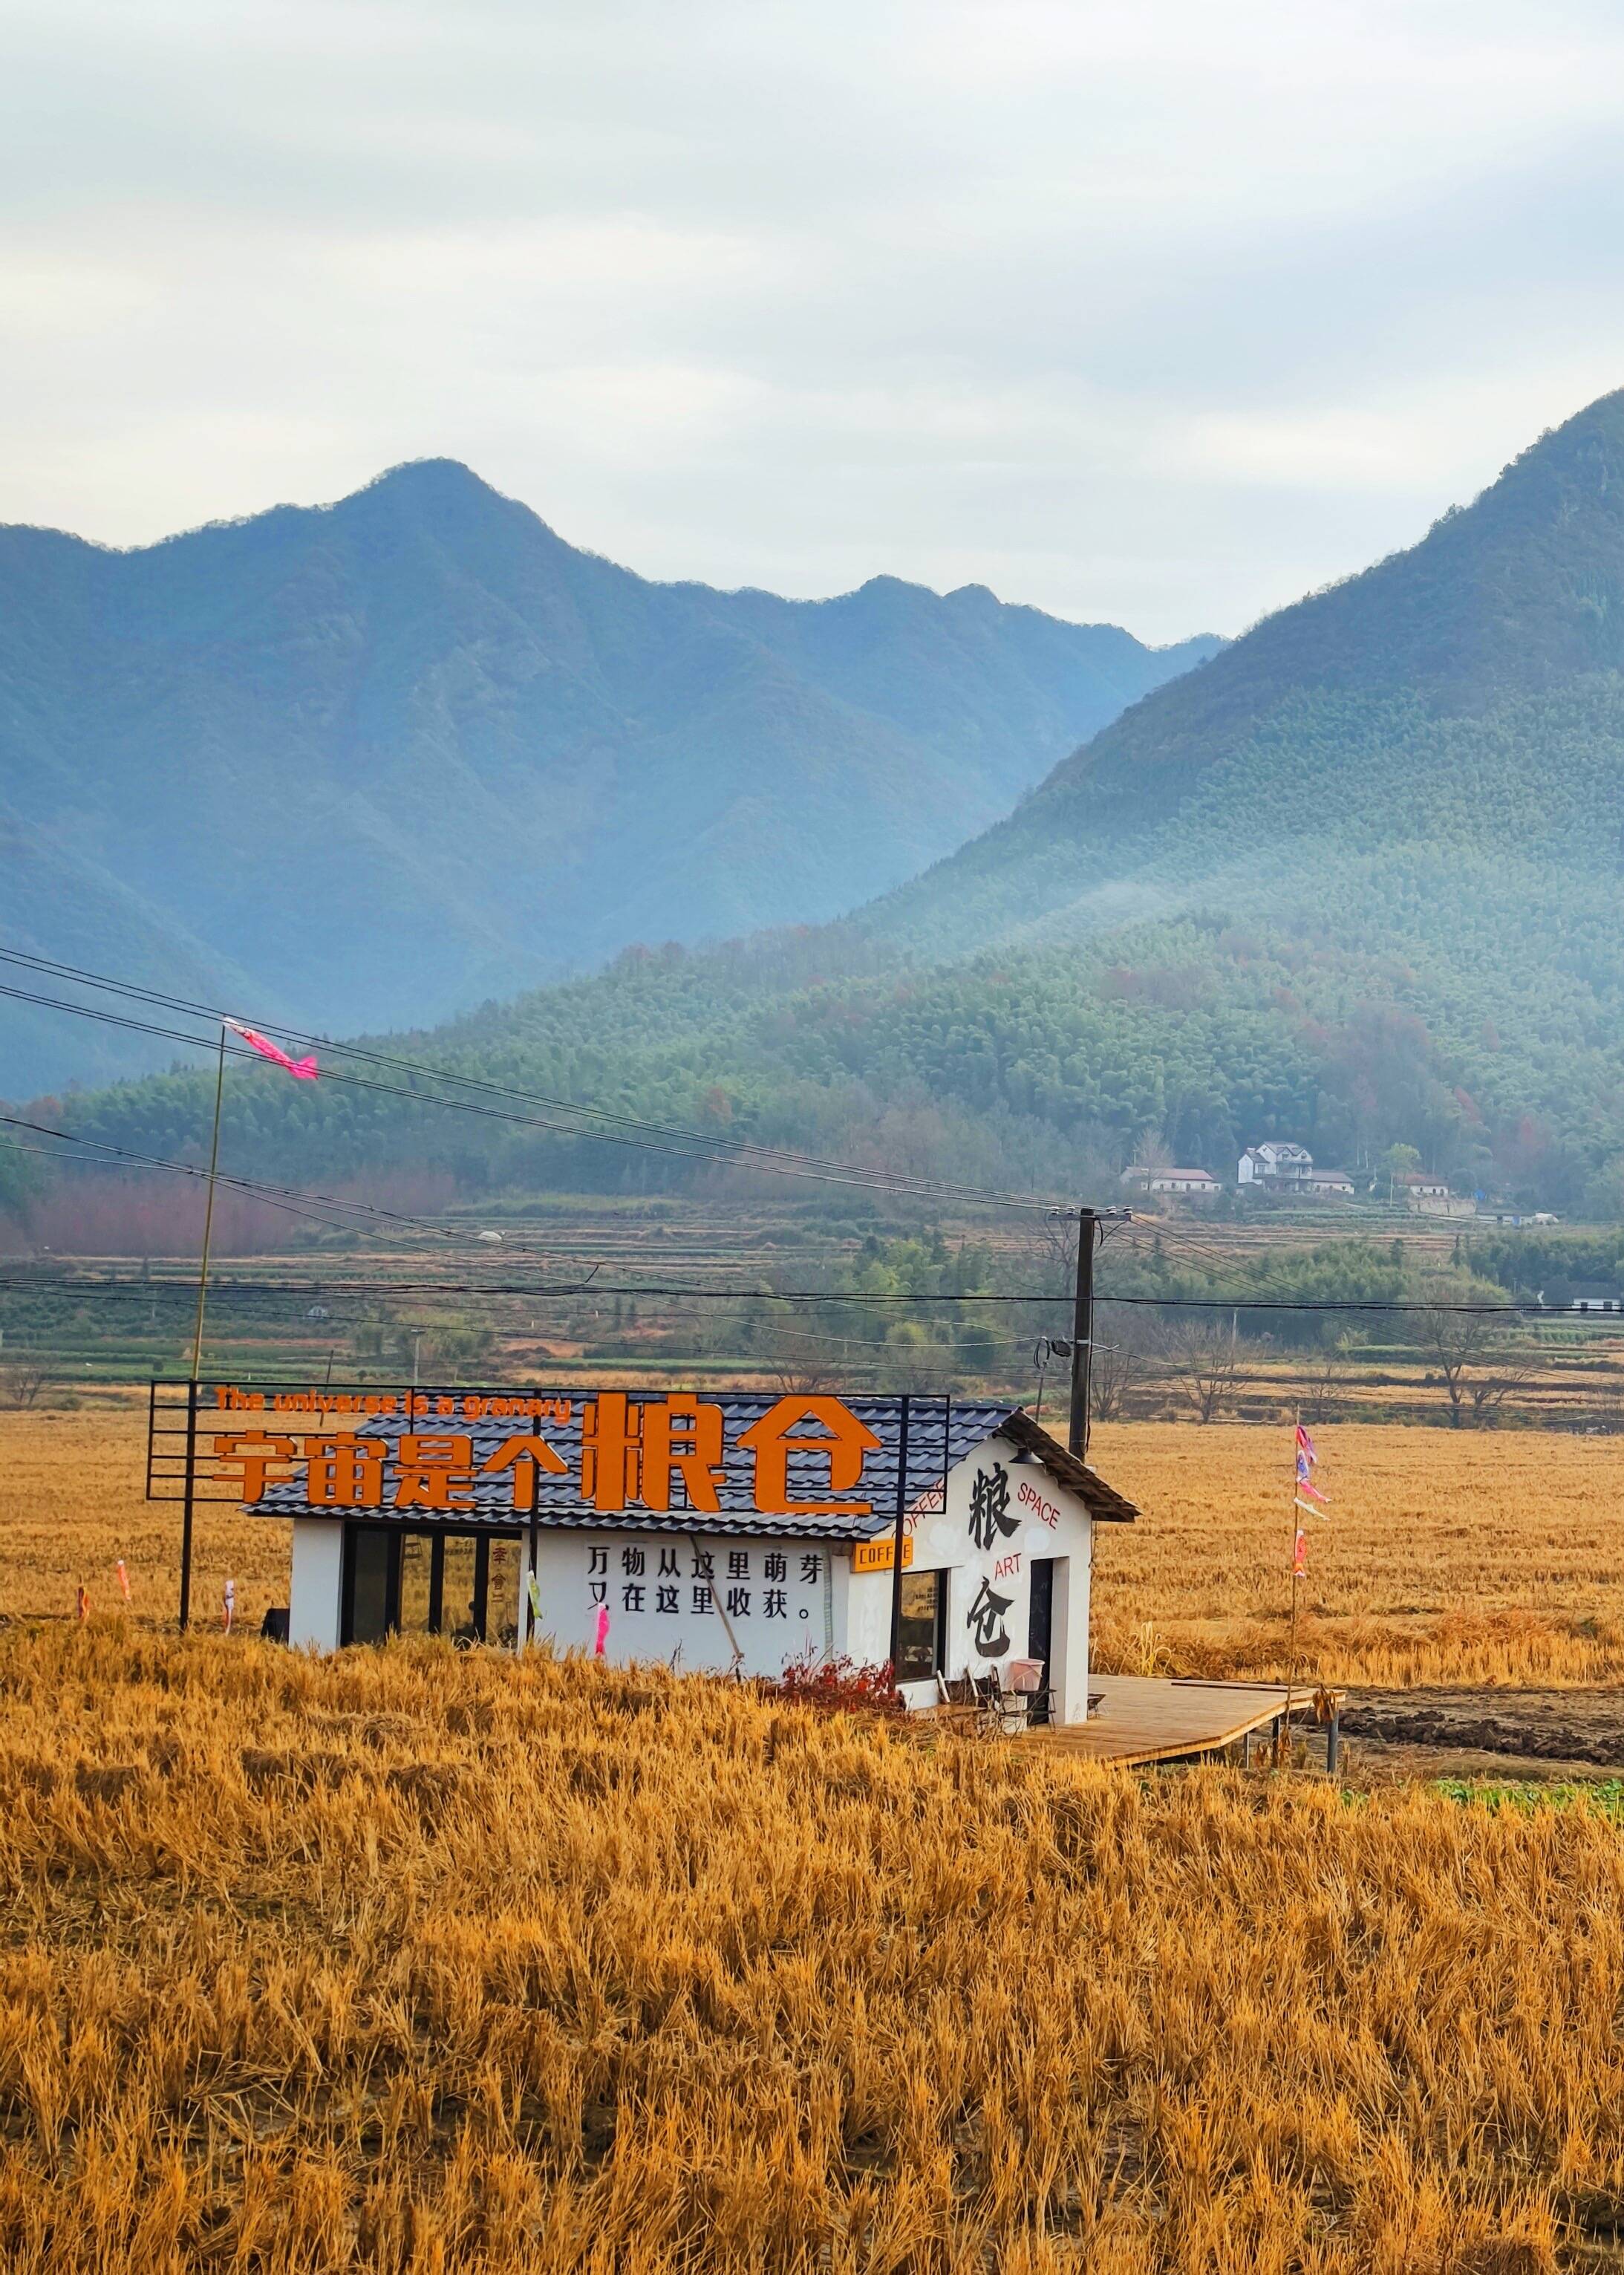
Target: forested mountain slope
[
  {"x": 369, "y": 764},
  {"x": 1357, "y": 880},
  {"x": 1461, "y": 699}
]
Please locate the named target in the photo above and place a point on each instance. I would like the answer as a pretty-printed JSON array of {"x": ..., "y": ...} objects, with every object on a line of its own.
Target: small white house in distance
[
  {"x": 1329, "y": 1182},
  {"x": 716, "y": 1531},
  {"x": 1427, "y": 1195},
  {"x": 1276, "y": 1163},
  {"x": 1183, "y": 1184}
]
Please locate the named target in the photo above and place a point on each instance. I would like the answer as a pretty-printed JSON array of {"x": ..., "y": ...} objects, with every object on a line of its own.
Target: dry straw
[{"x": 429, "y": 1962}]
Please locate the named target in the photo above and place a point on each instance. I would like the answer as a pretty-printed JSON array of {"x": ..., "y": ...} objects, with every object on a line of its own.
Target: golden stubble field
[
  {"x": 425, "y": 1962},
  {"x": 1452, "y": 1557},
  {"x": 73, "y": 1502}
]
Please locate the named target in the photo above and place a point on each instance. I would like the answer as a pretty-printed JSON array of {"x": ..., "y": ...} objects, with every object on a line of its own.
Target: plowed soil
[{"x": 1489, "y": 1732}]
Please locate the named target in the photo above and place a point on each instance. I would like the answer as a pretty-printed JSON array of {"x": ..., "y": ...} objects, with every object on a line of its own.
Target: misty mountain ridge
[
  {"x": 1354, "y": 881},
  {"x": 370, "y": 763},
  {"x": 1463, "y": 695}
]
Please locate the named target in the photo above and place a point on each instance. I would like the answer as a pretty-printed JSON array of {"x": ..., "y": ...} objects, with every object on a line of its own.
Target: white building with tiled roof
[{"x": 728, "y": 1530}]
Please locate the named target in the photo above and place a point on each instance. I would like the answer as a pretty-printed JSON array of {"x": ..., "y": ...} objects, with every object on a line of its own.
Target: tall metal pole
[
  {"x": 900, "y": 1533},
  {"x": 197, "y": 1348},
  {"x": 1283, "y": 1750},
  {"x": 1082, "y": 1331}
]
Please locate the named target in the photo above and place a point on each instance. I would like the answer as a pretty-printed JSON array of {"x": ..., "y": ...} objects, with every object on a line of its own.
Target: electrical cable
[
  {"x": 274, "y": 1196},
  {"x": 692, "y": 1145},
  {"x": 79, "y": 1288}
]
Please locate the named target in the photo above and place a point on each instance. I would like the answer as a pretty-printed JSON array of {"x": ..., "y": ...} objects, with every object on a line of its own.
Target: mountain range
[
  {"x": 1354, "y": 882},
  {"x": 373, "y": 763}
]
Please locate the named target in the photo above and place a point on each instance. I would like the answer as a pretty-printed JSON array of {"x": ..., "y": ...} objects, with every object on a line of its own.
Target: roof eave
[{"x": 1102, "y": 1501}]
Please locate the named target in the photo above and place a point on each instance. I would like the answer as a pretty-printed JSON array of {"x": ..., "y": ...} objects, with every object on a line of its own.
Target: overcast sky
[{"x": 1159, "y": 313}]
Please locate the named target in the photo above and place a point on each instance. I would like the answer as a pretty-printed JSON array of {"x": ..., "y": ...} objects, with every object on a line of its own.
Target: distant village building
[
  {"x": 1328, "y": 1182},
  {"x": 1427, "y": 1195},
  {"x": 1278, "y": 1166},
  {"x": 1183, "y": 1184},
  {"x": 737, "y": 1531}
]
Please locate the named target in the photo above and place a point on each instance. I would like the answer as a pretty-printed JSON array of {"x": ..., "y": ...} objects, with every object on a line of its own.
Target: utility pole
[
  {"x": 189, "y": 1492},
  {"x": 1080, "y": 1349},
  {"x": 1082, "y": 1331}
]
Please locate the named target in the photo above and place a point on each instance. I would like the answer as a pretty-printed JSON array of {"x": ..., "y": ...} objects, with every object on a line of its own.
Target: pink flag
[
  {"x": 1305, "y": 1444},
  {"x": 124, "y": 1581},
  {"x": 603, "y": 1631},
  {"x": 229, "y": 1608},
  {"x": 301, "y": 1070},
  {"x": 1299, "y": 1555}
]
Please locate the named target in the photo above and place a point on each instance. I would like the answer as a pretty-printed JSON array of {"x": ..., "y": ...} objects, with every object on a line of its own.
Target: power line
[
  {"x": 858, "y": 1178},
  {"x": 79, "y": 1290},
  {"x": 691, "y": 1144},
  {"x": 283, "y": 1196},
  {"x": 263, "y": 1194}
]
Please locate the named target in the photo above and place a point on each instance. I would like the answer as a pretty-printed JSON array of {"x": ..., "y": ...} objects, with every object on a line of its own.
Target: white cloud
[{"x": 1160, "y": 314}]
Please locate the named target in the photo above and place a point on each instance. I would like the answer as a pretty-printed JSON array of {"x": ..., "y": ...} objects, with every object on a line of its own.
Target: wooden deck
[{"x": 1141, "y": 1719}]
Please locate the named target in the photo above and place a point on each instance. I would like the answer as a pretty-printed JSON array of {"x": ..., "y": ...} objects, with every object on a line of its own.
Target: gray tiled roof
[{"x": 941, "y": 1431}]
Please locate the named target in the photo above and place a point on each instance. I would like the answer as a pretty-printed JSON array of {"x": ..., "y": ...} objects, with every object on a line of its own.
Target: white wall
[
  {"x": 816, "y": 1606},
  {"x": 1036, "y": 1518},
  {"x": 784, "y": 1599},
  {"x": 315, "y": 1583}
]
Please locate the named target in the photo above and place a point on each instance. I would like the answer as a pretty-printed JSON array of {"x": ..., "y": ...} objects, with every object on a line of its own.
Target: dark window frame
[
  {"x": 939, "y": 1639},
  {"x": 439, "y": 1534}
]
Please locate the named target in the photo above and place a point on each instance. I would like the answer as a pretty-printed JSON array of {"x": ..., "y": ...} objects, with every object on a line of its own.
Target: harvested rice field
[
  {"x": 1450, "y": 1557},
  {"x": 73, "y": 1504},
  {"x": 420, "y": 1960}
]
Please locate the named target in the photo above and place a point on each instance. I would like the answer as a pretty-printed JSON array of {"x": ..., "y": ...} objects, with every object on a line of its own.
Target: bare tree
[
  {"x": 1117, "y": 1368},
  {"x": 793, "y": 1359},
  {"x": 1467, "y": 1344},
  {"x": 1509, "y": 1369},
  {"x": 1202, "y": 1358},
  {"x": 1057, "y": 1236},
  {"x": 23, "y": 1381},
  {"x": 1327, "y": 1373},
  {"x": 1152, "y": 1150}
]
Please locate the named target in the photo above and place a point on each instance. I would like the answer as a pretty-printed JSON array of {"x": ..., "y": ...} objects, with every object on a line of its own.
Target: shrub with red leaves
[{"x": 837, "y": 1686}]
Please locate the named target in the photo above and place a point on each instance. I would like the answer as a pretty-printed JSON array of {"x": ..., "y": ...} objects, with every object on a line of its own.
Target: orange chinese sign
[{"x": 420, "y": 1454}]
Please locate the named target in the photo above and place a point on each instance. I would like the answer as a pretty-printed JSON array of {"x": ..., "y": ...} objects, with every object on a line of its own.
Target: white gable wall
[
  {"x": 315, "y": 1583},
  {"x": 674, "y": 1596},
  {"x": 1045, "y": 1520}
]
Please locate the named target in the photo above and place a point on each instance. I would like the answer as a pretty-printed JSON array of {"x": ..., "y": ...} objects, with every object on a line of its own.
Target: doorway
[
  {"x": 1040, "y": 1631},
  {"x": 400, "y": 1580}
]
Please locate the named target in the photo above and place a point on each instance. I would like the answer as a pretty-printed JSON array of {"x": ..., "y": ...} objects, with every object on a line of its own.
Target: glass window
[
  {"x": 417, "y": 1563},
  {"x": 371, "y": 1554},
  {"x": 458, "y": 1615},
  {"x": 919, "y": 1628},
  {"x": 501, "y": 1593}
]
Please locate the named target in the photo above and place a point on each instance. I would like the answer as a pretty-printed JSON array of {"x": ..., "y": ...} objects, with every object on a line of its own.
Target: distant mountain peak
[
  {"x": 492, "y": 758},
  {"x": 425, "y": 475},
  {"x": 1469, "y": 688}
]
